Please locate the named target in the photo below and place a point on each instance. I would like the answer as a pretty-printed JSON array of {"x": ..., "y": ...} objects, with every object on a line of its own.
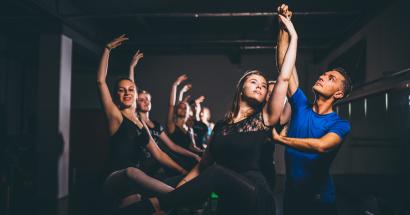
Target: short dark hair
[{"x": 347, "y": 83}]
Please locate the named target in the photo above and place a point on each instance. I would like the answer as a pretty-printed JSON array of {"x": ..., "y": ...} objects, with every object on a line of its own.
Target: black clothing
[
  {"x": 156, "y": 131},
  {"x": 127, "y": 146},
  {"x": 181, "y": 138},
  {"x": 236, "y": 174},
  {"x": 267, "y": 161},
  {"x": 186, "y": 162},
  {"x": 201, "y": 134}
]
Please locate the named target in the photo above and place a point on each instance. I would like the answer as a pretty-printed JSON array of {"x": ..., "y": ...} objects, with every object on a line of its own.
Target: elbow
[
  {"x": 322, "y": 149},
  {"x": 100, "y": 82},
  {"x": 272, "y": 120},
  {"x": 283, "y": 79}
]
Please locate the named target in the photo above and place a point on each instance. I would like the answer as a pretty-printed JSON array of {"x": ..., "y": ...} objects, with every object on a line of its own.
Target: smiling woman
[{"x": 130, "y": 140}]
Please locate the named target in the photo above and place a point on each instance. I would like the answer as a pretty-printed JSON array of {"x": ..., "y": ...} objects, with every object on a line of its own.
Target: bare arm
[
  {"x": 198, "y": 107},
  {"x": 172, "y": 102},
  {"x": 206, "y": 161},
  {"x": 320, "y": 145},
  {"x": 183, "y": 91},
  {"x": 163, "y": 158},
  {"x": 159, "y": 155},
  {"x": 134, "y": 61},
  {"x": 286, "y": 114},
  {"x": 193, "y": 146},
  {"x": 275, "y": 103},
  {"x": 111, "y": 111},
  {"x": 176, "y": 148},
  {"x": 282, "y": 47}
]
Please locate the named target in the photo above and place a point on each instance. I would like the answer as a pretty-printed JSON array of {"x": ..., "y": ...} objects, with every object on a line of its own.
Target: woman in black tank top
[
  {"x": 129, "y": 138},
  {"x": 177, "y": 118},
  {"x": 182, "y": 156}
]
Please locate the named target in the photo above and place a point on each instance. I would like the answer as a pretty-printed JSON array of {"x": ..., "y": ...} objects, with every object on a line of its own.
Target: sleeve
[
  {"x": 341, "y": 128},
  {"x": 159, "y": 127},
  {"x": 298, "y": 100}
]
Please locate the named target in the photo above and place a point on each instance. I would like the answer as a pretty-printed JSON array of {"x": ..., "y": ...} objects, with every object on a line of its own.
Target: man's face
[{"x": 330, "y": 84}]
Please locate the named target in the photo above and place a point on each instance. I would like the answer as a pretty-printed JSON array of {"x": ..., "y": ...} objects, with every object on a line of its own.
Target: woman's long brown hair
[{"x": 233, "y": 112}]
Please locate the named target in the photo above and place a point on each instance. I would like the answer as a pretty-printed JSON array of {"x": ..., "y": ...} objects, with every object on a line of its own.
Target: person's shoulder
[
  {"x": 155, "y": 122},
  {"x": 298, "y": 92},
  {"x": 337, "y": 120}
]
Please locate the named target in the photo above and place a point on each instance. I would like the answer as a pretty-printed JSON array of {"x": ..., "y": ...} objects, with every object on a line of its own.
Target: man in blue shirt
[{"x": 313, "y": 139}]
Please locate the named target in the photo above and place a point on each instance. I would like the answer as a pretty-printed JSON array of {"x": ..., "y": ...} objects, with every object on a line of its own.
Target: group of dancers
[{"x": 154, "y": 169}]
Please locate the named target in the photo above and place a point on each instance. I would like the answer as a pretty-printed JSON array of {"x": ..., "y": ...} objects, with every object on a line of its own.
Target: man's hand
[
  {"x": 284, "y": 11},
  {"x": 276, "y": 136}
]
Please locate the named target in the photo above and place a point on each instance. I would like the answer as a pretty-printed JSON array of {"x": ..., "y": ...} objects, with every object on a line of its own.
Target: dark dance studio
[{"x": 229, "y": 107}]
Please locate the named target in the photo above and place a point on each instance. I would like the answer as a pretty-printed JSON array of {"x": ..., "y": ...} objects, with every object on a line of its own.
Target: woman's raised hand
[
  {"x": 180, "y": 79},
  {"x": 116, "y": 42},
  {"x": 289, "y": 26},
  {"x": 137, "y": 56},
  {"x": 186, "y": 88}
]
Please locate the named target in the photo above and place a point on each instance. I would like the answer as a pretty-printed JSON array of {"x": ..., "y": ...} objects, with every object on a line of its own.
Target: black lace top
[{"x": 240, "y": 145}]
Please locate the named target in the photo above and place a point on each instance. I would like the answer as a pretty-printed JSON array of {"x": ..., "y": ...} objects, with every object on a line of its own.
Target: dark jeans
[{"x": 300, "y": 203}]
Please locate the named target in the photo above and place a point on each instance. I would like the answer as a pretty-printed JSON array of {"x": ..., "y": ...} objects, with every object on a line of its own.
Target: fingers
[
  {"x": 120, "y": 39},
  {"x": 181, "y": 79},
  {"x": 200, "y": 99},
  {"x": 138, "y": 55},
  {"x": 288, "y": 26},
  {"x": 289, "y": 14},
  {"x": 283, "y": 19},
  {"x": 283, "y": 9},
  {"x": 117, "y": 41},
  {"x": 275, "y": 134},
  {"x": 187, "y": 87}
]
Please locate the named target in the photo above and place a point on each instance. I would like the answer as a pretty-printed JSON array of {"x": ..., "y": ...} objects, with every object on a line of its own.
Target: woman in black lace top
[{"x": 231, "y": 163}]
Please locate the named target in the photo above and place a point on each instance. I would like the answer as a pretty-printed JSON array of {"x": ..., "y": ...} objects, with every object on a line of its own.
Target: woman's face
[
  {"x": 126, "y": 93},
  {"x": 255, "y": 88},
  {"x": 144, "y": 102},
  {"x": 205, "y": 114},
  {"x": 182, "y": 110}
]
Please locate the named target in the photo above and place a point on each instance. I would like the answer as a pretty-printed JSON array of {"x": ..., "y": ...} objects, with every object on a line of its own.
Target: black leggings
[{"x": 237, "y": 193}]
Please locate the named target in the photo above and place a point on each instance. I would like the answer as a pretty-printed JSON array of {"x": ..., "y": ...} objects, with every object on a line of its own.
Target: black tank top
[
  {"x": 181, "y": 138},
  {"x": 156, "y": 131},
  {"x": 127, "y": 146}
]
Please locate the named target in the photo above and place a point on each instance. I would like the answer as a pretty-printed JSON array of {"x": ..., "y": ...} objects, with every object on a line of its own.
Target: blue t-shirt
[{"x": 308, "y": 172}]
